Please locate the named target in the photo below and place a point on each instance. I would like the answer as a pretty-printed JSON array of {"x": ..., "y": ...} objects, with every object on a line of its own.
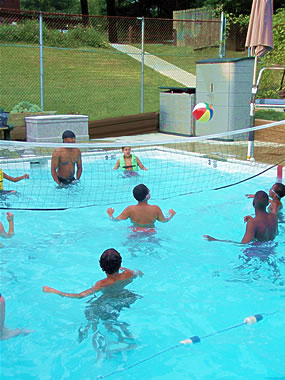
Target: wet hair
[
  {"x": 123, "y": 147},
  {"x": 260, "y": 200},
  {"x": 140, "y": 192},
  {"x": 110, "y": 261},
  {"x": 68, "y": 134},
  {"x": 279, "y": 189}
]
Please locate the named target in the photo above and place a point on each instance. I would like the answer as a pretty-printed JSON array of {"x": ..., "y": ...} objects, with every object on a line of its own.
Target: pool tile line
[{"x": 193, "y": 340}]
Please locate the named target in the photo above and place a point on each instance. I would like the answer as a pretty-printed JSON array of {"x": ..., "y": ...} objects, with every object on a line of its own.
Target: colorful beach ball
[{"x": 203, "y": 112}]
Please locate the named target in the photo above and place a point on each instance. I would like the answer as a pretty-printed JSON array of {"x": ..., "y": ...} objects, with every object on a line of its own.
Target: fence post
[
  {"x": 41, "y": 61},
  {"x": 142, "y": 62},
  {"x": 222, "y": 36}
]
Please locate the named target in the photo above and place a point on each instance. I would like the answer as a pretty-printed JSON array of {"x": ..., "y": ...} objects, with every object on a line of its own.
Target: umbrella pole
[{"x": 250, "y": 145}]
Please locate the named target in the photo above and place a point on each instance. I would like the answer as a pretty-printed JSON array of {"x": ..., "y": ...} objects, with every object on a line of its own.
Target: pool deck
[{"x": 144, "y": 138}]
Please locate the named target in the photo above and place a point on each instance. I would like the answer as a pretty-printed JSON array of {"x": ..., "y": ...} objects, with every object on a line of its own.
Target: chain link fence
[{"x": 99, "y": 66}]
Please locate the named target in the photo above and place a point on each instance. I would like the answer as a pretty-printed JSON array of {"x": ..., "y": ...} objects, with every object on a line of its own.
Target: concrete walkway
[
  {"x": 149, "y": 138},
  {"x": 159, "y": 65}
]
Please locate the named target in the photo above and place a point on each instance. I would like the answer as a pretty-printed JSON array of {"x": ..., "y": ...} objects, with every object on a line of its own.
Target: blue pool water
[{"x": 190, "y": 287}]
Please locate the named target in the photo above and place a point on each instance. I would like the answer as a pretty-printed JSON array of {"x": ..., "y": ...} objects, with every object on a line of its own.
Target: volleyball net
[{"x": 175, "y": 167}]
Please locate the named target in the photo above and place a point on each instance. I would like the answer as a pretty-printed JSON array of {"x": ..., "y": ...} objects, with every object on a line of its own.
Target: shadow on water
[
  {"x": 109, "y": 334},
  {"x": 260, "y": 258}
]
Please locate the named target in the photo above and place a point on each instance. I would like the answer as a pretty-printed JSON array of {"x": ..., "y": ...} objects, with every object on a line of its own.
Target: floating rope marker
[
  {"x": 253, "y": 319},
  {"x": 194, "y": 339}
]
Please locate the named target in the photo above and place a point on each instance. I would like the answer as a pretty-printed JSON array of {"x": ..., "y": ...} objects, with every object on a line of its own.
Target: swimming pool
[
  {"x": 172, "y": 171},
  {"x": 190, "y": 287}
]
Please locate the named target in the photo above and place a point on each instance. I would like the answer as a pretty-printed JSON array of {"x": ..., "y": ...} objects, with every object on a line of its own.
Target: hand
[
  {"x": 209, "y": 238},
  {"x": 110, "y": 212},
  {"x": 26, "y": 176},
  {"x": 247, "y": 218},
  {"x": 139, "y": 273},
  {"x": 249, "y": 195},
  {"x": 47, "y": 289},
  {"x": 10, "y": 216},
  {"x": 144, "y": 168},
  {"x": 171, "y": 212}
]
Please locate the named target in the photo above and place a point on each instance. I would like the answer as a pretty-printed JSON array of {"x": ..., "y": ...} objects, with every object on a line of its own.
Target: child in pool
[
  {"x": 276, "y": 192},
  {"x": 110, "y": 262},
  {"x": 128, "y": 162}
]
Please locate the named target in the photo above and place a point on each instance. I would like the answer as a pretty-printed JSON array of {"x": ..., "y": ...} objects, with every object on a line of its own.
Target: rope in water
[{"x": 192, "y": 340}]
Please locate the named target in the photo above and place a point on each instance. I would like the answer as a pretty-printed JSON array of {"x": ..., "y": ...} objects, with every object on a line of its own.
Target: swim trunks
[
  {"x": 65, "y": 181},
  {"x": 143, "y": 229}
]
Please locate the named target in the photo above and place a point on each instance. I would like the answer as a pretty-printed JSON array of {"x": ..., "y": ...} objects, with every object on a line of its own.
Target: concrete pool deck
[{"x": 144, "y": 138}]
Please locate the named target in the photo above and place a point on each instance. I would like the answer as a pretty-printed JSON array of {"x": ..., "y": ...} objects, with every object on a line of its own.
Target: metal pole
[
  {"x": 41, "y": 61},
  {"x": 142, "y": 62},
  {"x": 224, "y": 35},
  {"x": 250, "y": 145},
  {"x": 221, "y": 35}
]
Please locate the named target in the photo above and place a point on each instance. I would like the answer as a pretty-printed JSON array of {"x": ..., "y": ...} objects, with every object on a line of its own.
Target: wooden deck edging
[{"x": 124, "y": 125}]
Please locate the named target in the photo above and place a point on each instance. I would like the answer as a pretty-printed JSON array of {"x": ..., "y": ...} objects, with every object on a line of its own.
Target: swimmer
[
  {"x": 263, "y": 227},
  {"x": 10, "y": 219},
  {"x": 142, "y": 215},
  {"x": 64, "y": 160},
  {"x": 12, "y": 179},
  {"x": 110, "y": 262},
  {"x": 6, "y": 333},
  {"x": 276, "y": 192},
  {"x": 128, "y": 162}
]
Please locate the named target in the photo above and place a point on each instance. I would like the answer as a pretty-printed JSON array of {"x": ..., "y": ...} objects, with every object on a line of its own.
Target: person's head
[
  {"x": 277, "y": 189},
  {"x": 68, "y": 137},
  {"x": 126, "y": 151},
  {"x": 110, "y": 261},
  {"x": 260, "y": 200},
  {"x": 141, "y": 193}
]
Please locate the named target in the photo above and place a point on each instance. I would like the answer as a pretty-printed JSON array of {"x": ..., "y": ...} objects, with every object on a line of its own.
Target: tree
[
  {"x": 238, "y": 7},
  {"x": 47, "y": 5},
  {"x": 84, "y": 11},
  {"x": 112, "y": 23}
]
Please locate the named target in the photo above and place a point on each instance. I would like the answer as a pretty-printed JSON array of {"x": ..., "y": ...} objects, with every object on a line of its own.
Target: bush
[
  {"x": 73, "y": 37},
  {"x": 27, "y": 31},
  {"x": 25, "y": 107}
]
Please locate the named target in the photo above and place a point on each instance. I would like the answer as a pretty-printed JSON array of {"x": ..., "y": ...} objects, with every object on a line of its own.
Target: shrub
[
  {"x": 25, "y": 107},
  {"x": 27, "y": 31},
  {"x": 73, "y": 37}
]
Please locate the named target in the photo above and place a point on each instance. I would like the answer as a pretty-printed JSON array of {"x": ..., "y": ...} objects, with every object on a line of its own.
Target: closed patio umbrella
[{"x": 260, "y": 40}]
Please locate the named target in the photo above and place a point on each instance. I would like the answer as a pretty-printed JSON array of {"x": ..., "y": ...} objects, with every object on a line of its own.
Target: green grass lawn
[
  {"x": 185, "y": 57},
  {"x": 270, "y": 115},
  {"x": 100, "y": 83}
]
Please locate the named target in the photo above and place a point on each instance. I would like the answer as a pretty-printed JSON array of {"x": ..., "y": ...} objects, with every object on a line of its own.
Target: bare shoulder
[
  {"x": 128, "y": 273},
  {"x": 156, "y": 208},
  {"x": 57, "y": 152},
  {"x": 102, "y": 283}
]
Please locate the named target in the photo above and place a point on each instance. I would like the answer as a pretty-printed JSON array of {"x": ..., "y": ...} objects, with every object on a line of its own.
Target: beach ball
[{"x": 203, "y": 112}]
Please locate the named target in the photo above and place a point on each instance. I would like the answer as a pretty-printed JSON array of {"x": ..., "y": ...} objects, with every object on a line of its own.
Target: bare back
[
  {"x": 144, "y": 214},
  {"x": 266, "y": 227},
  {"x": 263, "y": 227}
]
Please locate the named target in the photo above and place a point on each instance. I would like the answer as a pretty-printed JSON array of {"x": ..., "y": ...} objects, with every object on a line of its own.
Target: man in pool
[
  {"x": 64, "y": 160},
  {"x": 263, "y": 227},
  {"x": 142, "y": 214},
  {"x": 276, "y": 192},
  {"x": 110, "y": 262},
  {"x": 128, "y": 162}
]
